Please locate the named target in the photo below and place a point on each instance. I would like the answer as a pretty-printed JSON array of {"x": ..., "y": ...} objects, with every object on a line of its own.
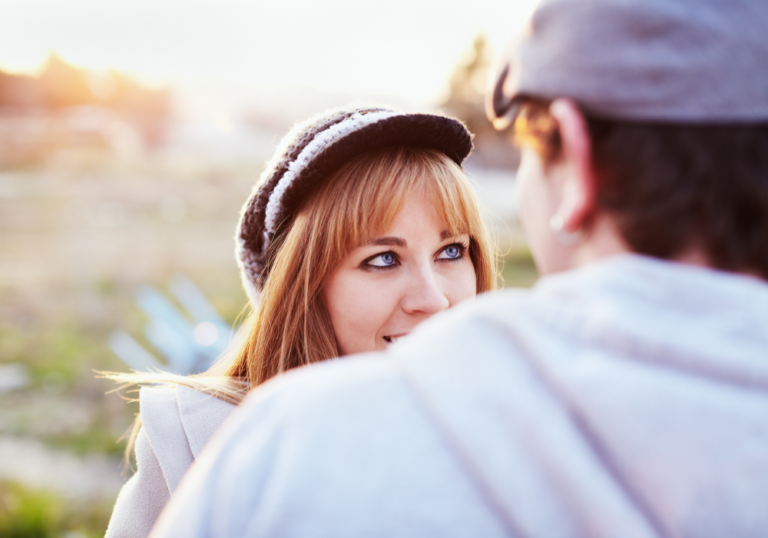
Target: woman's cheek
[
  {"x": 460, "y": 283},
  {"x": 359, "y": 303}
]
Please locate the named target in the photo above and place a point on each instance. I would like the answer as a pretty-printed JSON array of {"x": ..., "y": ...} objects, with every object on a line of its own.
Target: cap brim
[{"x": 501, "y": 108}]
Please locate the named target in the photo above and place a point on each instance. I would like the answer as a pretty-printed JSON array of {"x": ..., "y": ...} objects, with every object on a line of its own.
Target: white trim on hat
[
  {"x": 319, "y": 143},
  {"x": 249, "y": 269}
]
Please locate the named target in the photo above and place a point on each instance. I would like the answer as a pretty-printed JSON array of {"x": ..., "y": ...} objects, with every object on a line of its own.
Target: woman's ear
[{"x": 577, "y": 202}]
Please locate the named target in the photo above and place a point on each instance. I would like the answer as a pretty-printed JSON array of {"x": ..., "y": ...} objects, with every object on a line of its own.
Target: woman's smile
[{"x": 394, "y": 338}]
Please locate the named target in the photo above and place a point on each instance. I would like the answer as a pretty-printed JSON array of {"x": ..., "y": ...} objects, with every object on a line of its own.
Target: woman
[{"x": 361, "y": 227}]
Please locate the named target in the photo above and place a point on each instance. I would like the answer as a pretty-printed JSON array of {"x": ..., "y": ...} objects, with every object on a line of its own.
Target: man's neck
[{"x": 604, "y": 240}]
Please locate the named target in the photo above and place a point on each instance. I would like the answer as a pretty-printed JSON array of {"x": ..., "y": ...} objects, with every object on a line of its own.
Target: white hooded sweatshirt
[{"x": 625, "y": 399}]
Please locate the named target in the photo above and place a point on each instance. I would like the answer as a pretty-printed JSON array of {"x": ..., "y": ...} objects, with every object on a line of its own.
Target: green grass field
[{"x": 517, "y": 268}]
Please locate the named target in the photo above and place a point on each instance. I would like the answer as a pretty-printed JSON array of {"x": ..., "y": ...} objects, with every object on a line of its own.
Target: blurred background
[{"x": 131, "y": 132}]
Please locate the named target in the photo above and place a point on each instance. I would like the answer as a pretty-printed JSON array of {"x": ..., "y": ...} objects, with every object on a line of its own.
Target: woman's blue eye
[
  {"x": 452, "y": 252},
  {"x": 383, "y": 260}
]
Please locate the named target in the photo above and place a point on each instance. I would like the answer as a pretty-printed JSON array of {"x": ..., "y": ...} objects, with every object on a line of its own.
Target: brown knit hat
[{"x": 311, "y": 152}]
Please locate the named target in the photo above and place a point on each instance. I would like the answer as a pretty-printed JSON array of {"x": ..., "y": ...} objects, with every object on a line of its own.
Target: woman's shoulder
[
  {"x": 179, "y": 421},
  {"x": 183, "y": 412}
]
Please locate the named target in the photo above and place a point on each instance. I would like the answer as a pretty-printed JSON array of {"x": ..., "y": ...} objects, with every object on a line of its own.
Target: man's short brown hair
[{"x": 673, "y": 187}]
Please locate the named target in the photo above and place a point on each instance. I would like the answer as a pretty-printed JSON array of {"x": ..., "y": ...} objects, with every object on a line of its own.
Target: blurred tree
[
  {"x": 466, "y": 101},
  {"x": 20, "y": 91},
  {"x": 148, "y": 109},
  {"x": 467, "y": 87},
  {"x": 64, "y": 85},
  {"x": 61, "y": 86}
]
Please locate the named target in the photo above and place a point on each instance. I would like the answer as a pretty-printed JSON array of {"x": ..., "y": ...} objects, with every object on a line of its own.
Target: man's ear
[{"x": 579, "y": 188}]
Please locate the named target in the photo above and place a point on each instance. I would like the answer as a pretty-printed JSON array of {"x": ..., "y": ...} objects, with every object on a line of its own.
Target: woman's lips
[{"x": 391, "y": 339}]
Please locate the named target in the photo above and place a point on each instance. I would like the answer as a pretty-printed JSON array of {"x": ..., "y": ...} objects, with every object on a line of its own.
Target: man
[{"x": 627, "y": 393}]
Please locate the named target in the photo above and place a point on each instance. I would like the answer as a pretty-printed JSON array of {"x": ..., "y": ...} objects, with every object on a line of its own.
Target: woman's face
[{"x": 383, "y": 289}]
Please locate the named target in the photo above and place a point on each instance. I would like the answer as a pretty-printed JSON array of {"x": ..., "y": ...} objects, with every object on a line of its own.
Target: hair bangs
[
  {"x": 369, "y": 192},
  {"x": 452, "y": 198}
]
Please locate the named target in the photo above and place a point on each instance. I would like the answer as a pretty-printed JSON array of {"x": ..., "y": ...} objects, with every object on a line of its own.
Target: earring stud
[{"x": 563, "y": 236}]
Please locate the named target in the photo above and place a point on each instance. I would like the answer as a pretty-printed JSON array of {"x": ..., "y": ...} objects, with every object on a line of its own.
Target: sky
[{"x": 237, "y": 50}]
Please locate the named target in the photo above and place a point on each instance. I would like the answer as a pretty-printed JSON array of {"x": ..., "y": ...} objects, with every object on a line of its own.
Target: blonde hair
[{"x": 290, "y": 326}]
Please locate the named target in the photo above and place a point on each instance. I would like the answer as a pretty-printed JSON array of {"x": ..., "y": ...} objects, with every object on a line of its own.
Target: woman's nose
[{"x": 424, "y": 294}]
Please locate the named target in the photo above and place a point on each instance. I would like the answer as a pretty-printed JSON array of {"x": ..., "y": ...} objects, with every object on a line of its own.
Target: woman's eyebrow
[{"x": 388, "y": 241}]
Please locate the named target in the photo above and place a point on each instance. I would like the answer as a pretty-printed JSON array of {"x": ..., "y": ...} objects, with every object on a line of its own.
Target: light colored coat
[
  {"x": 628, "y": 398},
  {"x": 176, "y": 424}
]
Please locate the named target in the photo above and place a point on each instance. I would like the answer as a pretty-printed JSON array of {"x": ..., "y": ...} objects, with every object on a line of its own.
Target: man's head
[{"x": 644, "y": 127}]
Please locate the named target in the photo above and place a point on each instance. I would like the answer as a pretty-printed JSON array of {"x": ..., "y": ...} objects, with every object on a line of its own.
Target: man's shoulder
[
  {"x": 458, "y": 322},
  {"x": 347, "y": 382},
  {"x": 334, "y": 383}
]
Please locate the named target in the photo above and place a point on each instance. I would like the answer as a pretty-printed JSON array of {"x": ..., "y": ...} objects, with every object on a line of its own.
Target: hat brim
[{"x": 443, "y": 134}]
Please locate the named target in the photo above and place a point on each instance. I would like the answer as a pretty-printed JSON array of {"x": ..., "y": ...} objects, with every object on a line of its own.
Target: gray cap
[{"x": 681, "y": 61}]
